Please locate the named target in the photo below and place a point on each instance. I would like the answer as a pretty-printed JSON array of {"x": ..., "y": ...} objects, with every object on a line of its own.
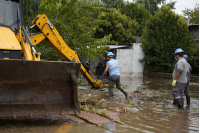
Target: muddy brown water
[{"x": 158, "y": 115}]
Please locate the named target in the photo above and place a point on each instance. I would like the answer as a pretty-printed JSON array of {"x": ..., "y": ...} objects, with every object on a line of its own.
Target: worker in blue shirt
[
  {"x": 186, "y": 91},
  {"x": 114, "y": 75}
]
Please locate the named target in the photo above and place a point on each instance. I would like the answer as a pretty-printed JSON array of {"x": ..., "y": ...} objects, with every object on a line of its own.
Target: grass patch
[{"x": 130, "y": 104}]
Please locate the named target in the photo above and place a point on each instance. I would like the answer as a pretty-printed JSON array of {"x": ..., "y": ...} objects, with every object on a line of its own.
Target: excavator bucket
[{"x": 38, "y": 88}]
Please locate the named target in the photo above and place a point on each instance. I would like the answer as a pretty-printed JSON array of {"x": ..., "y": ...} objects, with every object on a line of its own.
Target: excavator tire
[{"x": 38, "y": 88}]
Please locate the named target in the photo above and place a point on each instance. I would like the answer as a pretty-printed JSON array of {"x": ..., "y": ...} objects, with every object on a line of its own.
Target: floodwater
[
  {"x": 158, "y": 115},
  {"x": 164, "y": 117}
]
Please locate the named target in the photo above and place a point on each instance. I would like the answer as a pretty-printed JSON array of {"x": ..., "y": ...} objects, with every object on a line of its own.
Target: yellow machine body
[
  {"x": 53, "y": 37},
  {"x": 8, "y": 40},
  {"x": 30, "y": 87}
]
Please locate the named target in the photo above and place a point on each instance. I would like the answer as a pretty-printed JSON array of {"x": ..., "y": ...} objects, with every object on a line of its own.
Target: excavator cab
[
  {"x": 31, "y": 88},
  {"x": 11, "y": 20},
  {"x": 11, "y": 14}
]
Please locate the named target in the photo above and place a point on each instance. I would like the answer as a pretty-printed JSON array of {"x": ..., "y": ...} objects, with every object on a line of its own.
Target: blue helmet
[
  {"x": 179, "y": 50},
  {"x": 109, "y": 54},
  {"x": 186, "y": 57}
]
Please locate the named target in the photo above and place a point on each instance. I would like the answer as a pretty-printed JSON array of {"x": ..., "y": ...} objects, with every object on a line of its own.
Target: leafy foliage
[
  {"x": 135, "y": 12},
  {"x": 152, "y": 5},
  {"x": 31, "y": 13},
  {"x": 89, "y": 25},
  {"x": 122, "y": 27},
  {"x": 194, "y": 14},
  {"x": 75, "y": 19},
  {"x": 139, "y": 13},
  {"x": 163, "y": 34},
  {"x": 112, "y": 3},
  {"x": 194, "y": 57},
  {"x": 171, "y": 4}
]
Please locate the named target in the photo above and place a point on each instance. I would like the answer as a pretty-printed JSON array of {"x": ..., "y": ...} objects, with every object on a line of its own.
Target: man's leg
[
  {"x": 118, "y": 85},
  {"x": 110, "y": 87},
  {"x": 175, "y": 102},
  {"x": 187, "y": 94},
  {"x": 177, "y": 94}
]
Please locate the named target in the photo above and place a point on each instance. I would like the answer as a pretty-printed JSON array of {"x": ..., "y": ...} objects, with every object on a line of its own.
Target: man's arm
[
  {"x": 106, "y": 69},
  {"x": 177, "y": 75}
]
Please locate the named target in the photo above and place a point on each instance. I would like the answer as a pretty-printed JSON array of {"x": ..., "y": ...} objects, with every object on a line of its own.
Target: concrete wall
[
  {"x": 194, "y": 29},
  {"x": 129, "y": 64}
]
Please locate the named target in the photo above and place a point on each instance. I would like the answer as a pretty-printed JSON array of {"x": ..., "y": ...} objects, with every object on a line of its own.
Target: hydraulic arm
[{"x": 51, "y": 35}]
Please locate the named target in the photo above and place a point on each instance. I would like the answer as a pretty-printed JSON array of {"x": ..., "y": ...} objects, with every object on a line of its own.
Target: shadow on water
[{"x": 157, "y": 114}]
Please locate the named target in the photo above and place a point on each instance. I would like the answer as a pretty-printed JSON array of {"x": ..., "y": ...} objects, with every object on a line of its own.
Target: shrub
[
  {"x": 163, "y": 34},
  {"x": 194, "y": 57}
]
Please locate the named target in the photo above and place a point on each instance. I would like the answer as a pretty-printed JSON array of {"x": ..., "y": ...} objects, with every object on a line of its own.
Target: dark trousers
[
  {"x": 178, "y": 90},
  {"x": 186, "y": 91},
  {"x": 115, "y": 79}
]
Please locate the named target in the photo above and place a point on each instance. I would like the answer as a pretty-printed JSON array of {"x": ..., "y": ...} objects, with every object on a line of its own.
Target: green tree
[
  {"x": 31, "y": 13},
  {"x": 194, "y": 57},
  {"x": 152, "y": 5},
  {"x": 112, "y": 3},
  {"x": 74, "y": 18},
  {"x": 122, "y": 27},
  {"x": 135, "y": 12},
  {"x": 194, "y": 14},
  {"x": 163, "y": 34},
  {"x": 171, "y": 4}
]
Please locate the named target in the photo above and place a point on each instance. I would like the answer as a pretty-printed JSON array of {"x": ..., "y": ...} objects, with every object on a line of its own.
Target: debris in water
[
  {"x": 117, "y": 110},
  {"x": 137, "y": 91},
  {"x": 139, "y": 102},
  {"x": 130, "y": 110}
]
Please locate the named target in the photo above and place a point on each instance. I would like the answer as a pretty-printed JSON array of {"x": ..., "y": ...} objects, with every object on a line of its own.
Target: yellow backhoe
[{"x": 30, "y": 87}]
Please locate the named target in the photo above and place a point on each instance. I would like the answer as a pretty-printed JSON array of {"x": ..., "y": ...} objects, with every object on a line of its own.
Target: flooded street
[
  {"x": 160, "y": 115},
  {"x": 156, "y": 113}
]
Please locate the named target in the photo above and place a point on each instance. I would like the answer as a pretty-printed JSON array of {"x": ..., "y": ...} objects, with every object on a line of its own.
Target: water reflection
[
  {"x": 65, "y": 128},
  {"x": 132, "y": 83},
  {"x": 180, "y": 123},
  {"x": 111, "y": 125}
]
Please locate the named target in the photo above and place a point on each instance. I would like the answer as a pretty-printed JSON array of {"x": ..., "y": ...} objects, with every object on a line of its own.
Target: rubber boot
[
  {"x": 180, "y": 102},
  {"x": 188, "y": 100},
  {"x": 175, "y": 102},
  {"x": 183, "y": 102},
  {"x": 111, "y": 92},
  {"x": 123, "y": 91}
]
